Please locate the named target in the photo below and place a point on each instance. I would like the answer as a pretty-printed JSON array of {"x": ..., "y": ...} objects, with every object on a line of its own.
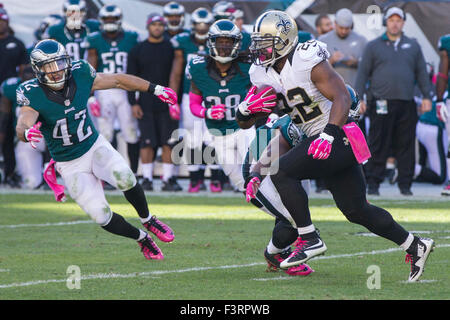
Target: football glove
[
  {"x": 33, "y": 135},
  {"x": 94, "y": 106},
  {"x": 165, "y": 94},
  {"x": 174, "y": 111},
  {"x": 441, "y": 111},
  {"x": 320, "y": 148},
  {"x": 255, "y": 103},
  {"x": 252, "y": 185},
  {"x": 216, "y": 112}
]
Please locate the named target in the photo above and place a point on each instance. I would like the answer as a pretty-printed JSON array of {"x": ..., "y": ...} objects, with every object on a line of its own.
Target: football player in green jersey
[
  {"x": 443, "y": 85},
  {"x": 53, "y": 106},
  {"x": 108, "y": 53},
  {"x": 72, "y": 32},
  {"x": 187, "y": 46},
  {"x": 218, "y": 84},
  {"x": 29, "y": 161},
  {"x": 173, "y": 12}
]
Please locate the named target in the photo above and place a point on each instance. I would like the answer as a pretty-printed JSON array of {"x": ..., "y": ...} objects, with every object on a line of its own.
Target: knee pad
[
  {"x": 98, "y": 211},
  {"x": 124, "y": 177}
]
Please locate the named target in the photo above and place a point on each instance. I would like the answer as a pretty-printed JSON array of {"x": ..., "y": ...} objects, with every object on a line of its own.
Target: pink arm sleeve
[{"x": 195, "y": 104}]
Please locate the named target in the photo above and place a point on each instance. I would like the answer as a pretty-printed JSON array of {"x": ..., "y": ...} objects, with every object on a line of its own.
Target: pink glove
[
  {"x": 174, "y": 111},
  {"x": 166, "y": 95},
  {"x": 252, "y": 188},
  {"x": 259, "y": 102},
  {"x": 320, "y": 148},
  {"x": 33, "y": 134},
  {"x": 216, "y": 112},
  {"x": 441, "y": 111},
  {"x": 94, "y": 106}
]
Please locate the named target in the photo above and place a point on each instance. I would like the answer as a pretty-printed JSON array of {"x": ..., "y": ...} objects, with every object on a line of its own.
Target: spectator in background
[
  {"x": 151, "y": 60},
  {"x": 392, "y": 64},
  {"x": 13, "y": 58},
  {"x": 323, "y": 24},
  {"x": 345, "y": 46}
]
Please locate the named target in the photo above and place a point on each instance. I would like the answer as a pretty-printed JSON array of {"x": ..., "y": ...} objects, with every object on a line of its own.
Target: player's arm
[
  {"x": 332, "y": 86},
  {"x": 177, "y": 70},
  {"x": 27, "y": 119},
  {"x": 442, "y": 78},
  {"x": 216, "y": 112},
  {"x": 92, "y": 58},
  {"x": 129, "y": 82}
]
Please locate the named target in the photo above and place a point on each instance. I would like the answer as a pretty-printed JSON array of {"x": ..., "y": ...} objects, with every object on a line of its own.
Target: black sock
[
  {"x": 119, "y": 226},
  {"x": 136, "y": 197},
  {"x": 283, "y": 234},
  {"x": 133, "y": 154},
  {"x": 215, "y": 174}
]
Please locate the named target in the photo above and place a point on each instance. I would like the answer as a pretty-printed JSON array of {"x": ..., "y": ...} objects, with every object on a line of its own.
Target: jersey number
[
  {"x": 114, "y": 63},
  {"x": 307, "y": 110},
  {"x": 73, "y": 50},
  {"x": 60, "y": 131},
  {"x": 231, "y": 103}
]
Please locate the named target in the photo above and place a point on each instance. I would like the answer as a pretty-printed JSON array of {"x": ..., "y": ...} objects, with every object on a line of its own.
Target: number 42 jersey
[
  {"x": 305, "y": 104},
  {"x": 66, "y": 126}
]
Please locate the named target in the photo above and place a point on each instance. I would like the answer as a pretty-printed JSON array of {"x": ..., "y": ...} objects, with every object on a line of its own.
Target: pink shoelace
[{"x": 299, "y": 244}]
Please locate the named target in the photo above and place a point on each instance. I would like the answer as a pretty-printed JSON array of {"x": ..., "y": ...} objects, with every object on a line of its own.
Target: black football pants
[{"x": 343, "y": 177}]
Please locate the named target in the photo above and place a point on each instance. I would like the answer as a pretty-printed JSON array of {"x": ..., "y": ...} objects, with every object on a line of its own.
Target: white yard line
[{"x": 196, "y": 269}]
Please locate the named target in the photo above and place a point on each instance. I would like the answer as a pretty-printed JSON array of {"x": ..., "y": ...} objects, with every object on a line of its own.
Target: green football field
[{"x": 217, "y": 253}]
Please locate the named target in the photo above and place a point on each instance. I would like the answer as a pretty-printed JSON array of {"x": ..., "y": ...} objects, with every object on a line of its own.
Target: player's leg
[
  {"x": 348, "y": 188},
  {"x": 128, "y": 127},
  {"x": 87, "y": 192},
  {"x": 433, "y": 138},
  {"x": 29, "y": 163},
  {"x": 148, "y": 143}
]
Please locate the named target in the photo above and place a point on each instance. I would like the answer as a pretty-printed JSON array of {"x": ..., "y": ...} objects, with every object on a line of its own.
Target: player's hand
[
  {"x": 252, "y": 186},
  {"x": 165, "y": 94},
  {"x": 94, "y": 106},
  {"x": 320, "y": 148},
  {"x": 137, "y": 111},
  {"x": 441, "y": 111},
  {"x": 33, "y": 135},
  {"x": 216, "y": 112},
  {"x": 174, "y": 111},
  {"x": 257, "y": 102},
  {"x": 426, "y": 105}
]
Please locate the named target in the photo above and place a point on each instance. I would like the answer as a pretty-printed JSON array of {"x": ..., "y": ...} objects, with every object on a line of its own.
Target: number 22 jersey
[{"x": 301, "y": 99}]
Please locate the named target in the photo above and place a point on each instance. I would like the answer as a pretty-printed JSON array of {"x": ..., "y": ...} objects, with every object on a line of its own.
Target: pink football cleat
[
  {"x": 194, "y": 188},
  {"x": 274, "y": 260},
  {"x": 215, "y": 186},
  {"x": 149, "y": 249},
  {"x": 160, "y": 229}
]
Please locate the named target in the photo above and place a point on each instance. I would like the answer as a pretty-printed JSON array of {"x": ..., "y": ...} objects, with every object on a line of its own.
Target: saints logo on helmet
[
  {"x": 111, "y": 18},
  {"x": 75, "y": 12},
  {"x": 174, "y": 14},
  {"x": 224, "y": 41},
  {"x": 274, "y": 35},
  {"x": 51, "y": 63},
  {"x": 201, "y": 21}
]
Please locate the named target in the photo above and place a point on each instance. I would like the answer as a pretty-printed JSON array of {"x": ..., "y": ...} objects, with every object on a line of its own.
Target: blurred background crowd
[{"x": 395, "y": 55}]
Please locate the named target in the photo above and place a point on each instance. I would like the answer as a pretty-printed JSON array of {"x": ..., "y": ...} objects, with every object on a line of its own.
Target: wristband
[
  {"x": 151, "y": 88},
  {"x": 331, "y": 130}
]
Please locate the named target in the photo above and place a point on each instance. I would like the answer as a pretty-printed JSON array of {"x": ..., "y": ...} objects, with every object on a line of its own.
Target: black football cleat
[{"x": 417, "y": 256}]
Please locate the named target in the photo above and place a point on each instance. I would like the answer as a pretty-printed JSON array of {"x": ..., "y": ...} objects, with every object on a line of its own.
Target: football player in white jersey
[{"x": 318, "y": 102}]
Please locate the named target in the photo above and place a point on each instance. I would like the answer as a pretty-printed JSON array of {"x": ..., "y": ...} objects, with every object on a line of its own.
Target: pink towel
[
  {"x": 357, "y": 141},
  {"x": 50, "y": 178}
]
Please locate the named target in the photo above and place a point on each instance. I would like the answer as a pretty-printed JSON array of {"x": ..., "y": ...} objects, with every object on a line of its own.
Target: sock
[
  {"x": 147, "y": 171},
  {"x": 284, "y": 234},
  {"x": 133, "y": 155},
  {"x": 167, "y": 171},
  {"x": 136, "y": 197},
  {"x": 307, "y": 232},
  {"x": 271, "y": 249},
  {"x": 119, "y": 226},
  {"x": 142, "y": 235},
  {"x": 409, "y": 240},
  {"x": 215, "y": 174}
]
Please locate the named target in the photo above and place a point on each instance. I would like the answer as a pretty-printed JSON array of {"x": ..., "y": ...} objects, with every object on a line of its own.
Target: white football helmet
[
  {"x": 174, "y": 9},
  {"x": 74, "y": 12},
  {"x": 111, "y": 18},
  {"x": 274, "y": 35},
  {"x": 202, "y": 19}
]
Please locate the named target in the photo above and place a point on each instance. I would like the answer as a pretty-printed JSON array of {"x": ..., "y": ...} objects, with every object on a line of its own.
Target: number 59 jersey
[
  {"x": 301, "y": 99},
  {"x": 112, "y": 54},
  {"x": 66, "y": 126}
]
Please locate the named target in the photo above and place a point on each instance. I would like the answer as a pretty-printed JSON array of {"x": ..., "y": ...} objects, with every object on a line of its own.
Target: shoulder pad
[{"x": 310, "y": 53}]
